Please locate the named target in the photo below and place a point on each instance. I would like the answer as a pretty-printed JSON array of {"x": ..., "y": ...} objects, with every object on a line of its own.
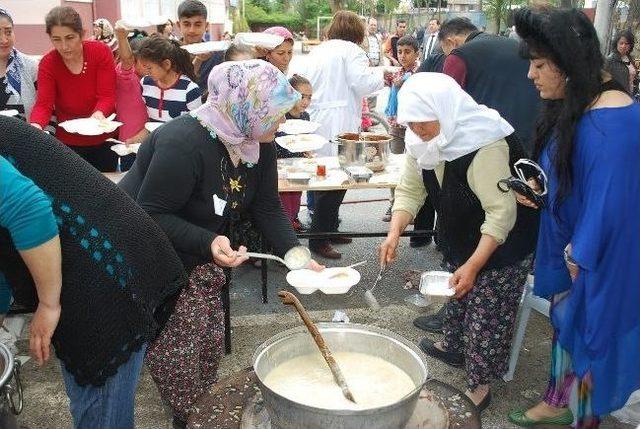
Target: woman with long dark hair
[
  {"x": 588, "y": 146},
  {"x": 620, "y": 63}
]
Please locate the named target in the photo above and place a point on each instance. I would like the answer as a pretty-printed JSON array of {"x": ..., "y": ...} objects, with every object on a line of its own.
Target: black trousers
[
  {"x": 100, "y": 156},
  {"x": 325, "y": 214},
  {"x": 425, "y": 219}
]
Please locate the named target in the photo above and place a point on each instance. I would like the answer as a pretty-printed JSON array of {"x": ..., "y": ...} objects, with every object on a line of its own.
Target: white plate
[
  {"x": 301, "y": 142},
  {"x": 298, "y": 176},
  {"x": 299, "y": 126},
  {"x": 205, "y": 47},
  {"x": 263, "y": 40},
  {"x": 151, "y": 126},
  {"x": 133, "y": 23},
  {"x": 90, "y": 126},
  {"x": 9, "y": 112},
  {"x": 308, "y": 281},
  {"x": 436, "y": 283},
  {"x": 124, "y": 150}
]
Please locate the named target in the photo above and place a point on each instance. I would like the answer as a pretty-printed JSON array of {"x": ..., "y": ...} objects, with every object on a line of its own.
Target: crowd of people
[{"x": 138, "y": 268}]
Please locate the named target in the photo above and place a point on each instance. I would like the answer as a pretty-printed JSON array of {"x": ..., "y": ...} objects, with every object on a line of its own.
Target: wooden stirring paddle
[{"x": 290, "y": 299}]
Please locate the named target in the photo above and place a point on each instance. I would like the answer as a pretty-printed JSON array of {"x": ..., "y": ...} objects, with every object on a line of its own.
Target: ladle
[
  {"x": 296, "y": 258},
  {"x": 290, "y": 299}
]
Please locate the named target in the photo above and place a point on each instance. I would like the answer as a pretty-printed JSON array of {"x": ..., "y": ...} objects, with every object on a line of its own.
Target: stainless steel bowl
[
  {"x": 341, "y": 337},
  {"x": 371, "y": 154}
]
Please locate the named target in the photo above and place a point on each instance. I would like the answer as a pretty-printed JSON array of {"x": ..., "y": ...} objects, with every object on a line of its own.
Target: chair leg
[
  {"x": 265, "y": 284},
  {"x": 263, "y": 268},
  {"x": 522, "y": 320},
  {"x": 226, "y": 305}
]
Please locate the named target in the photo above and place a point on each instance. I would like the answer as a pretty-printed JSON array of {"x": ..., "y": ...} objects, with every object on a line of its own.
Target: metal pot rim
[
  {"x": 7, "y": 357},
  {"x": 388, "y": 138},
  {"x": 357, "y": 327}
]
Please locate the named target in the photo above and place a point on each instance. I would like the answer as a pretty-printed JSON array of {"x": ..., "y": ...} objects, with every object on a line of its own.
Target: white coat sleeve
[{"x": 362, "y": 79}]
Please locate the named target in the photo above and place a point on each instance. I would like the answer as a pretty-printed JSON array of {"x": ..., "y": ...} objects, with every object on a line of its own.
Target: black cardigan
[
  {"x": 176, "y": 174},
  {"x": 117, "y": 265}
]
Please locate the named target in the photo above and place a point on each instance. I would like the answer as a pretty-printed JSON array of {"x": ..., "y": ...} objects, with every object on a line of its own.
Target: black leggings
[{"x": 100, "y": 156}]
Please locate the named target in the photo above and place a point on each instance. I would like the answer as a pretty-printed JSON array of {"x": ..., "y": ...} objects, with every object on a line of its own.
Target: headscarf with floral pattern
[{"x": 246, "y": 99}]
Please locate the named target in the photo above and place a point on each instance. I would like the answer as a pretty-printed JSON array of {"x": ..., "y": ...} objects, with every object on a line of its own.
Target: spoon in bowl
[{"x": 296, "y": 258}]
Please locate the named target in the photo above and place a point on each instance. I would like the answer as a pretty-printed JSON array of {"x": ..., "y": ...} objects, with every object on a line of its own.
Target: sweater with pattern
[{"x": 117, "y": 264}]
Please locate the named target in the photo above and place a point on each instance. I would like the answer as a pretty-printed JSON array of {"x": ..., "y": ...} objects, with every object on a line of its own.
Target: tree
[
  {"x": 336, "y": 5},
  {"x": 602, "y": 22},
  {"x": 497, "y": 10}
]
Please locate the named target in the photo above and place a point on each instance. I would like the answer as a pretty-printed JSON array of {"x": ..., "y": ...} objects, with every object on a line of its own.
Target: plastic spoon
[
  {"x": 290, "y": 299},
  {"x": 357, "y": 264},
  {"x": 369, "y": 297}
]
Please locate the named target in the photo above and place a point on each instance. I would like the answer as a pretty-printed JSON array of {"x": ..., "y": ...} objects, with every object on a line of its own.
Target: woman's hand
[
  {"x": 314, "y": 266},
  {"x": 224, "y": 255},
  {"x": 398, "y": 82},
  {"x": 308, "y": 155},
  {"x": 463, "y": 279},
  {"x": 521, "y": 199},
  {"x": 572, "y": 266},
  {"x": 43, "y": 324},
  {"x": 388, "y": 250},
  {"x": 34, "y": 125},
  {"x": 98, "y": 115},
  {"x": 121, "y": 31}
]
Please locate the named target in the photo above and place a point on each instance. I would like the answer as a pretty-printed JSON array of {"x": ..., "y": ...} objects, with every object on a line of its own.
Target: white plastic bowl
[
  {"x": 436, "y": 283},
  {"x": 307, "y": 281}
]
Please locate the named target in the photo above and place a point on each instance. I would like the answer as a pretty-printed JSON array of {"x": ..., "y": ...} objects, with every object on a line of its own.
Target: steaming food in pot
[{"x": 373, "y": 381}]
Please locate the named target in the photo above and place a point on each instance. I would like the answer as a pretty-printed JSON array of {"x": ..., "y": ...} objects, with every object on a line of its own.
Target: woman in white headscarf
[{"x": 457, "y": 151}]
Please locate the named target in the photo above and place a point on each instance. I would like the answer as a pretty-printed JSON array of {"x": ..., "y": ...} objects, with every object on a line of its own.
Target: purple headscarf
[
  {"x": 280, "y": 31},
  {"x": 246, "y": 99}
]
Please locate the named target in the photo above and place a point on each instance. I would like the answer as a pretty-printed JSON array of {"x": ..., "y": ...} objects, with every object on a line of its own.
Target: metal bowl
[
  {"x": 373, "y": 154},
  {"x": 340, "y": 337}
]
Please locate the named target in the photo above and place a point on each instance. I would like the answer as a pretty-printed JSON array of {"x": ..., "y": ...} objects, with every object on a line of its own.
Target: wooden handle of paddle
[{"x": 290, "y": 299}]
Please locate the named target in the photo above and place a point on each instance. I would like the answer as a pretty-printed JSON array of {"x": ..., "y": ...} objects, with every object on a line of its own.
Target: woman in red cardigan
[{"x": 76, "y": 79}]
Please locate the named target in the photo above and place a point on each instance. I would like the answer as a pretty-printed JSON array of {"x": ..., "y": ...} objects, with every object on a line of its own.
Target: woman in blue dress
[{"x": 588, "y": 253}]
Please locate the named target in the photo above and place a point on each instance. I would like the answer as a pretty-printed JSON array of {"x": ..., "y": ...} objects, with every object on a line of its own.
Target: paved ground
[{"x": 46, "y": 403}]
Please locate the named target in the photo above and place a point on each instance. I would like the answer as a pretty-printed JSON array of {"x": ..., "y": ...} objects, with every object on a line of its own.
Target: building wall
[{"x": 28, "y": 16}]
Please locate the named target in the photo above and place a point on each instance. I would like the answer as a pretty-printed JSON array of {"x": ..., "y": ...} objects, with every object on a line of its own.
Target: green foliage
[
  {"x": 240, "y": 24},
  {"x": 309, "y": 10},
  {"x": 258, "y": 17},
  {"x": 387, "y": 6},
  {"x": 498, "y": 10}
]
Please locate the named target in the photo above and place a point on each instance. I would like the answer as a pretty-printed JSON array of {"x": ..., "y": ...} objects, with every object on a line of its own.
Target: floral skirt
[
  {"x": 183, "y": 359},
  {"x": 481, "y": 324}
]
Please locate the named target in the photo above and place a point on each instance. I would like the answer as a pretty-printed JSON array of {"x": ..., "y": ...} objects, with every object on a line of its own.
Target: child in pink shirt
[{"x": 130, "y": 107}]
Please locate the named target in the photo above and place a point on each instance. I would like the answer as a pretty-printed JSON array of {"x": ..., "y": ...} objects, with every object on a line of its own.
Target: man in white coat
[{"x": 339, "y": 72}]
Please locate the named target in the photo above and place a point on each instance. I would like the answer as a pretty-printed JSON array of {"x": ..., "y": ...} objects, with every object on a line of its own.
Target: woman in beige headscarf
[{"x": 457, "y": 151}]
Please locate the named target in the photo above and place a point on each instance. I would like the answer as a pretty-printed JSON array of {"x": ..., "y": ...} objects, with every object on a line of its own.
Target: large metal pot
[
  {"x": 341, "y": 337},
  {"x": 10, "y": 389},
  {"x": 373, "y": 154}
]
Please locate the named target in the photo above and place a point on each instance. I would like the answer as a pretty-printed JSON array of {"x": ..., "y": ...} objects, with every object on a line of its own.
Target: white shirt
[
  {"x": 374, "y": 49},
  {"x": 430, "y": 43},
  {"x": 340, "y": 76}
]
